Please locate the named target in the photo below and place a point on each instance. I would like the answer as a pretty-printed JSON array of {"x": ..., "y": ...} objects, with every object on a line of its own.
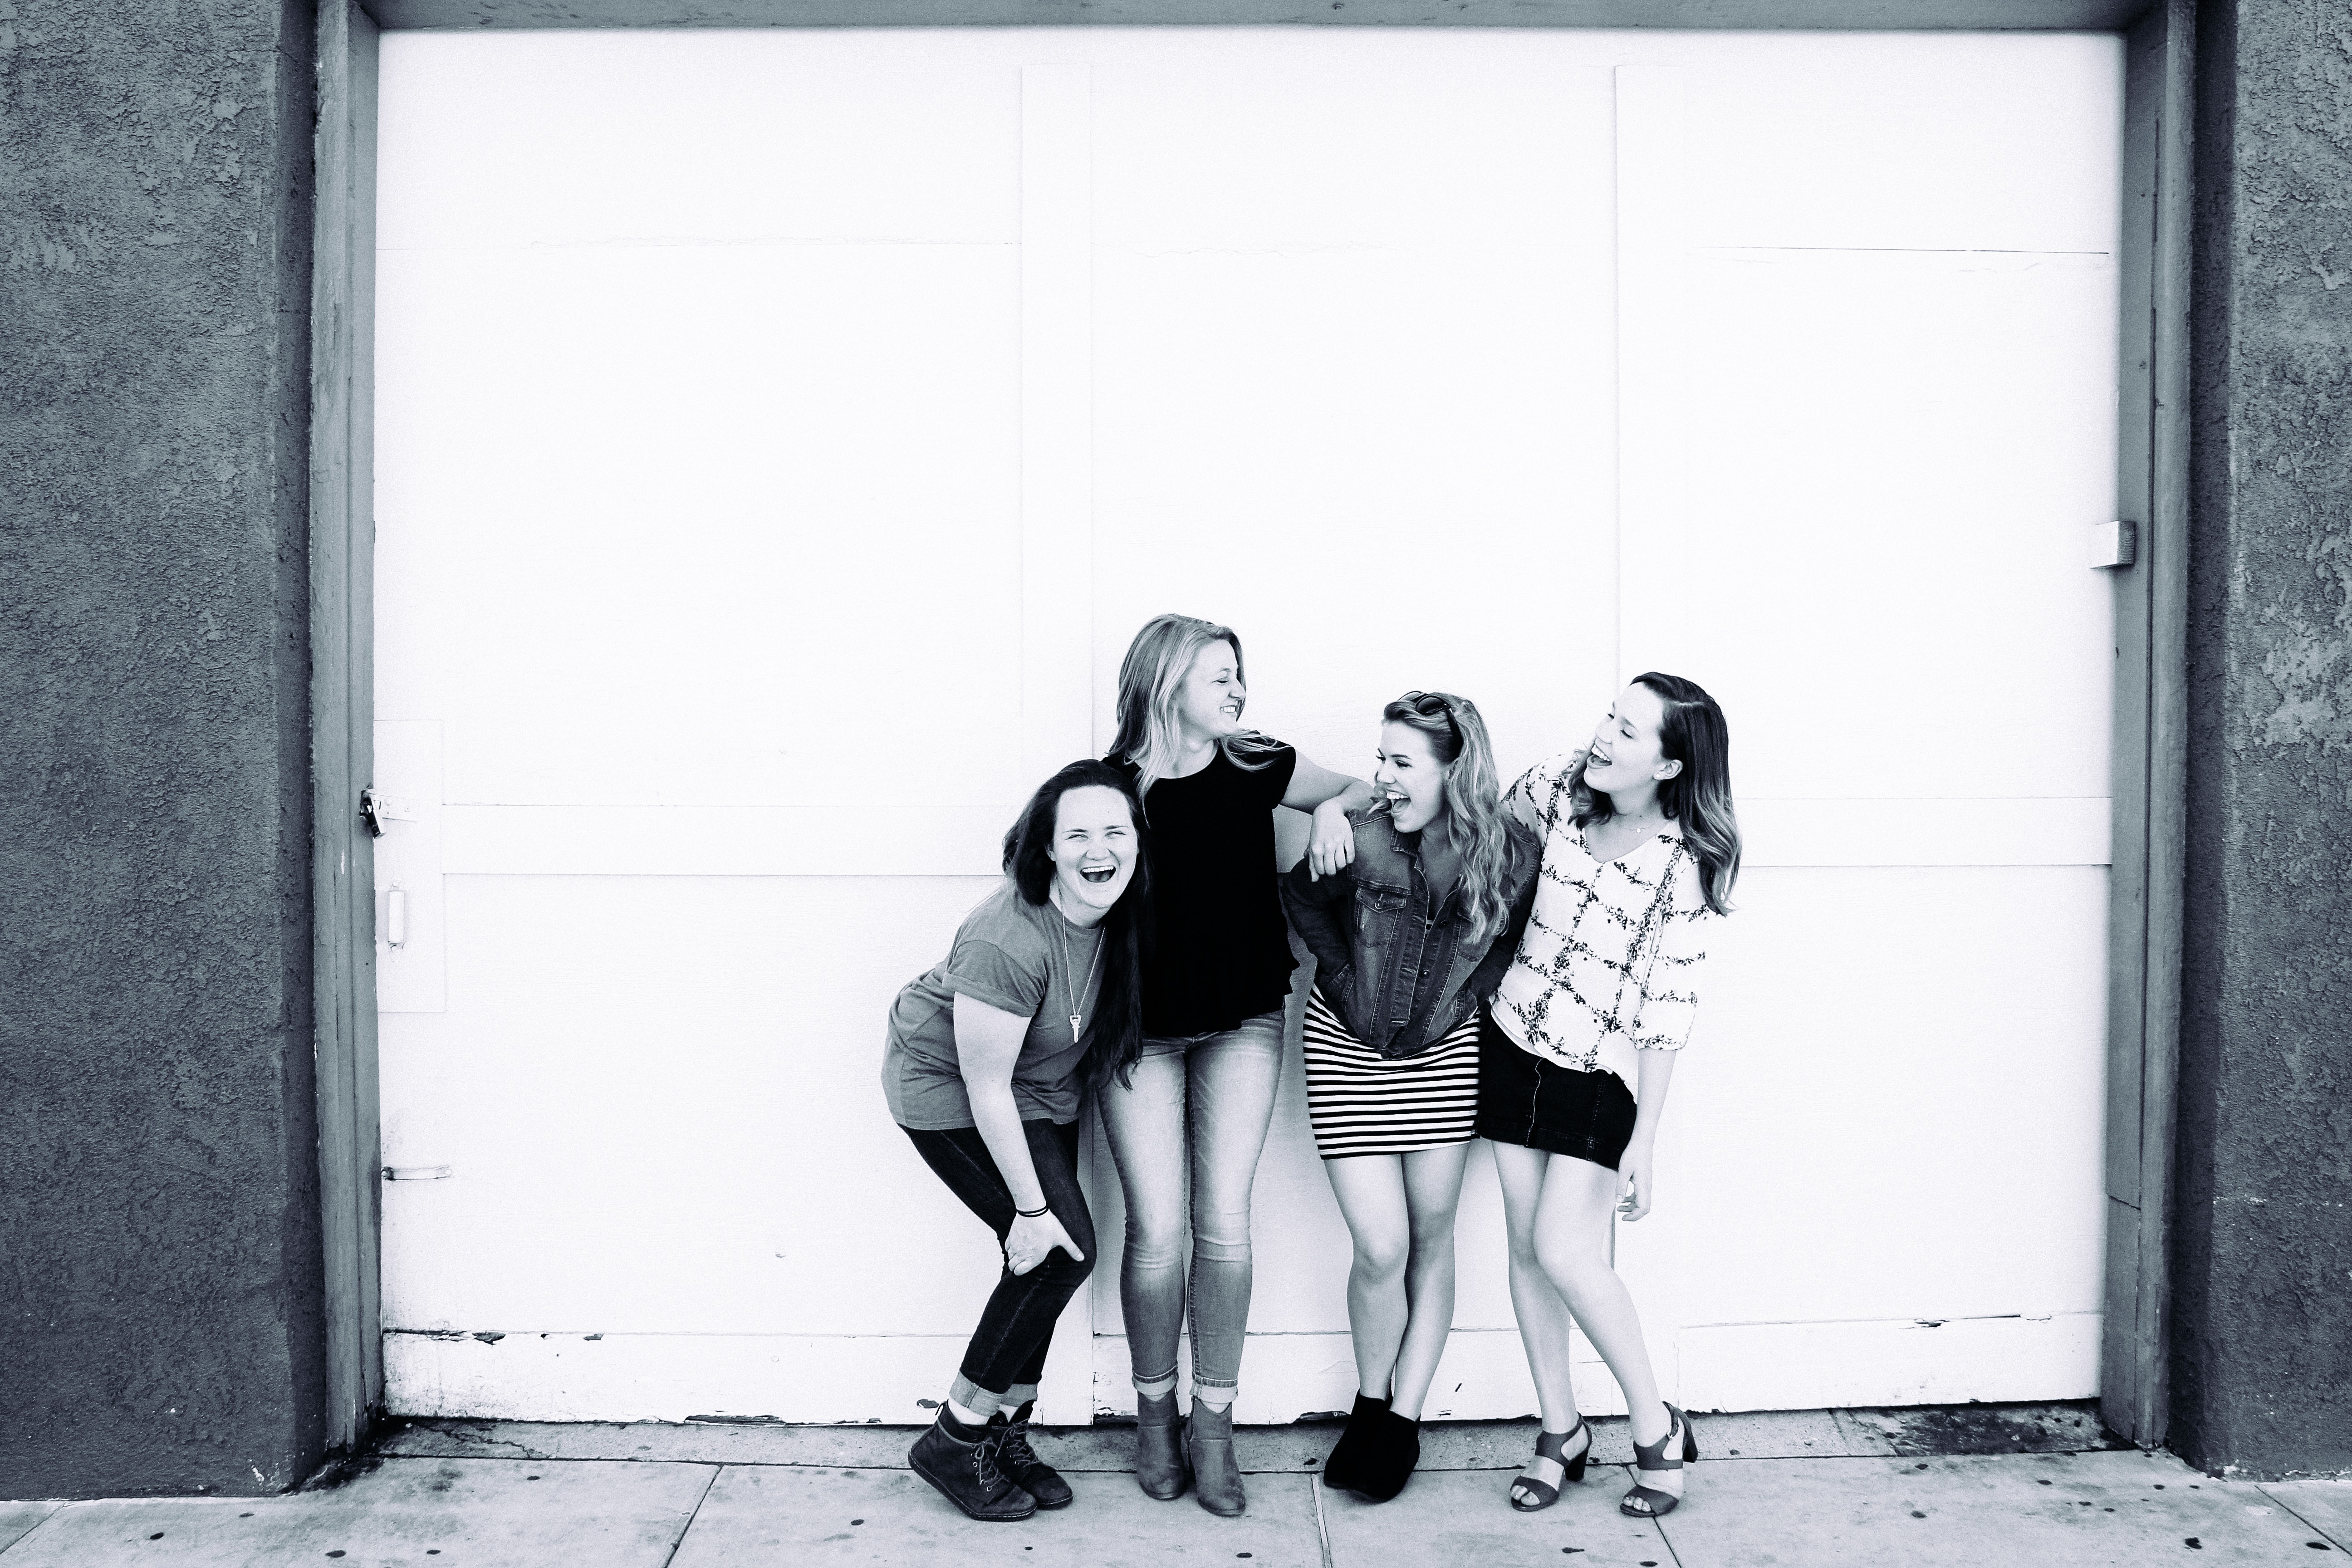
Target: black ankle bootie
[
  {"x": 1390, "y": 1451},
  {"x": 1017, "y": 1459},
  {"x": 1346, "y": 1455},
  {"x": 964, "y": 1469}
]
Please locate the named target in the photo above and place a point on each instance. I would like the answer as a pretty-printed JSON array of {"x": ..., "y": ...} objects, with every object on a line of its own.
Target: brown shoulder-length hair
[
  {"x": 1691, "y": 730},
  {"x": 1114, "y": 1036}
]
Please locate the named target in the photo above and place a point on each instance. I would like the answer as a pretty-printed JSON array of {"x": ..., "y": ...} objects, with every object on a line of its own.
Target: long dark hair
[
  {"x": 1457, "y": 737},
  {"x": 1114, "y": 1037},
  {"x": 1691, "y": 731}
]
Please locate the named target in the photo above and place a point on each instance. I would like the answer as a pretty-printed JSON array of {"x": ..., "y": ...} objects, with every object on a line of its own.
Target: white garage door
[{"x": 781, "y": 433}]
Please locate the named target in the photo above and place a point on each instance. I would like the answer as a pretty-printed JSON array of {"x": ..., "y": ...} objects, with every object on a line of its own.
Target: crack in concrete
[
  {"x": 693, "y": 1514},
  {"x": 479, "y": 1439}
]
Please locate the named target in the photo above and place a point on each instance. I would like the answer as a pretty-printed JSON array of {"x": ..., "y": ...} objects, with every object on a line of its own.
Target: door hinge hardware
[{"x": 417, "y": 1173}]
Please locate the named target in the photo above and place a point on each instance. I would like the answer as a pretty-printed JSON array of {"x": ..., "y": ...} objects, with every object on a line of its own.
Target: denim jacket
[{"x": 1379, "y": 945}]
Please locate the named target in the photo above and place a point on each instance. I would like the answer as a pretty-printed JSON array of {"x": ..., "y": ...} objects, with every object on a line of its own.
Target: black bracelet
[{"x": 1032, "y": 1213}]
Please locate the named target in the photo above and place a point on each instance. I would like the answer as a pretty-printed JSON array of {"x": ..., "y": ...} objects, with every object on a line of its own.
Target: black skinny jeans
[{"x": 1008, "y": 1349}]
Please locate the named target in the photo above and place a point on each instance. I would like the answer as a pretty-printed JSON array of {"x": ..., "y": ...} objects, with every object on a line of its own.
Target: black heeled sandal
[
  {"x": 1649, "y": 1502},
  {"x": 1339, "y": 1469},
  {"x": 1553, "y": 1446}
]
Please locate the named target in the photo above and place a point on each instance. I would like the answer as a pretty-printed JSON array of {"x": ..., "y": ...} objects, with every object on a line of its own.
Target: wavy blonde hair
[
  {"x": 1148, "y": 677},
  {"x": 1457, "y": 738}
]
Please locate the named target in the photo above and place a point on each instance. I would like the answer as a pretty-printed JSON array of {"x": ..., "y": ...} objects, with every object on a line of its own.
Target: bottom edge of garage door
[{"x": 897, "y": 1379}]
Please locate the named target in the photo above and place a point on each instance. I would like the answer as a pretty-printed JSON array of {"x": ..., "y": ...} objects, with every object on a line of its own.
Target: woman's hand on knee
[
  {"x": 1636, "y": 1188},
  {"x": 1030, "y": 1238}
]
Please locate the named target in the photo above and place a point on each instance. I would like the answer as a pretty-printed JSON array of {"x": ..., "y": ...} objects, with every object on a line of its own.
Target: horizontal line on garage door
[
  {"x": 1797, "y": 1366},
  {"x": 622, "y": 1376},
  {"x": 964, "y": 841}
]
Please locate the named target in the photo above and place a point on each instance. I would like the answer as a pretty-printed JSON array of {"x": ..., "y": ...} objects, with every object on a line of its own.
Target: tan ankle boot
[
  {"x": 1160, "y": 1467},
  {"x": 1217, "y": 1478}
]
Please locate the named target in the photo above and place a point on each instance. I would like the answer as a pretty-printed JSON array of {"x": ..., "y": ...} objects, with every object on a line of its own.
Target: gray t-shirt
[{"x": 1008, "y": 954}]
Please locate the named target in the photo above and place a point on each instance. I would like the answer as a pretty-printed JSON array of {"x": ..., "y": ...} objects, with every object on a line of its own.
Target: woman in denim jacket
[{"x": 1410, "y": 941}]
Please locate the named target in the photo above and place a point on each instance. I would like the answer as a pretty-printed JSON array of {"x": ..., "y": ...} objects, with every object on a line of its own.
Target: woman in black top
[{"x": 1199, "y": 1090}]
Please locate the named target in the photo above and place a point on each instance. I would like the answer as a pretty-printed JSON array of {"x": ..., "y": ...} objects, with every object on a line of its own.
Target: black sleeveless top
[{"x": 1219, "y": 949}]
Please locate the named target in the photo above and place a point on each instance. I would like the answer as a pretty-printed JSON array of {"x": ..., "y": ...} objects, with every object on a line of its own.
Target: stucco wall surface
[
  {"x": 2262, "y": 1304},
  {"x": 159, "y": 1321}
]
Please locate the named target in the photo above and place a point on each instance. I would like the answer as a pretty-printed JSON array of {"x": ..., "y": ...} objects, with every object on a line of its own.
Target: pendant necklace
[{"x": 1070, "y": 971}]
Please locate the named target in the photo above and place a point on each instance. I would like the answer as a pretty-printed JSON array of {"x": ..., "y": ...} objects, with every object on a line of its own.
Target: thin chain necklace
[
  {"x": 1651, "y": 824},
  {"x": 1070, "y": 970}
]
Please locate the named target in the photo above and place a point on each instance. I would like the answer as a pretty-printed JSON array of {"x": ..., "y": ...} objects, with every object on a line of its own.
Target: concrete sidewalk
[{"x": 1980, "y": 1486}]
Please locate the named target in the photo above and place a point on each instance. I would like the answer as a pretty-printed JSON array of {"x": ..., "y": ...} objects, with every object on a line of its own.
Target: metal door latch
[{"x": 376, "y": 809}]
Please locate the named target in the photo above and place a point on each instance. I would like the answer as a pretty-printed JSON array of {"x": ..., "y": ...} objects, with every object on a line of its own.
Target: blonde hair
[
  {"x": 1148, "y": 678},
  {"x": 1457, "y": 738}
]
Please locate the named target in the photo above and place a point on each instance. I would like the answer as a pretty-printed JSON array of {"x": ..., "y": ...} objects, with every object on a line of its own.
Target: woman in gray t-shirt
[{"x": 981, "y": 1068}]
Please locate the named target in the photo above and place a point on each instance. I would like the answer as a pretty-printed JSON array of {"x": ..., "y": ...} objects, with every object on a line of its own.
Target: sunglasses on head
[{"x": 1428, "y": 705}]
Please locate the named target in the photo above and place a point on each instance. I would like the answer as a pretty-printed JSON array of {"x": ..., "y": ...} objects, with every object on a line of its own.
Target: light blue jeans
[{"x": 1209, "y": 1097}]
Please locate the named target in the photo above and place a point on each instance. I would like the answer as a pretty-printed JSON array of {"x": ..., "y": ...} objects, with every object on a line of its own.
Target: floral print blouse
[{"x": 1610, "y": 963}]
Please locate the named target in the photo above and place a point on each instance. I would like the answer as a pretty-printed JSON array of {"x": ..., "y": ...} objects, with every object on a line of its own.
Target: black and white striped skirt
[{"x": 1364, "y": 1103}]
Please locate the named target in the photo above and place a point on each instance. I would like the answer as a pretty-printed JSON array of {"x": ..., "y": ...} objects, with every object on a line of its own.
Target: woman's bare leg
[
  {"x": 1571, "y": 1238},
  {"x": 1544, "y": 1318},
  {"x": 1433, "y": 1188},
  {"x": 1371, "y": 1192},
  {"x": 1545, "y": 1322}
]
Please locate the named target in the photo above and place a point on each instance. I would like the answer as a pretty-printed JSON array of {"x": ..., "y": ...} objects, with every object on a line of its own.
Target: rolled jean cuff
[
  {"x": 972, "y": 1397},
  {"x": 1019, "y": 1395},
  {"x": 1199, "y": 1382}
]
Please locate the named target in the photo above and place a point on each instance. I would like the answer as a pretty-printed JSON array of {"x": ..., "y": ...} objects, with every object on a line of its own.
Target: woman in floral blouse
[{"x": 1641, "y": 849}]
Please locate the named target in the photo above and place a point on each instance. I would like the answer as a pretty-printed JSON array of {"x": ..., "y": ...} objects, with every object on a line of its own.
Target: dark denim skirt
[{"x": 1536, "y": 1103}]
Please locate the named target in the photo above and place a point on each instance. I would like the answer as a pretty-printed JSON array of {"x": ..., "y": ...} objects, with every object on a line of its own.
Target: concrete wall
[
  {"x": 159, "y": 1322},
  {"x": 2262, "y": 1283}
]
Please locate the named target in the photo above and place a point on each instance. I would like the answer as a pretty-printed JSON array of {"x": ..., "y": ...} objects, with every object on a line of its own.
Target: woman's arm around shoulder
[
  {"x": 1332, "y": 797},
  {"x": 1539, "y": 801}
]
